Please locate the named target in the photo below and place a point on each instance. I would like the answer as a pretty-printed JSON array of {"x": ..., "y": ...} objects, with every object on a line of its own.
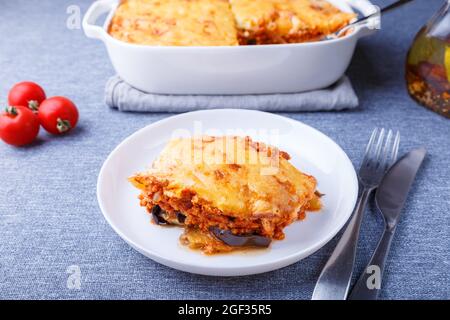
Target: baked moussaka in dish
[
  {"x": 225, "y": 22},
  {"x": 227, "y": 192},
  {"x": 174, "y": 23},
  {"x": 286, "y": 21}
]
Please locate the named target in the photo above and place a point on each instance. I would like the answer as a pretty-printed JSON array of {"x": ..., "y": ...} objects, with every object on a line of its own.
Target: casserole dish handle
[{"x": 94, "y": 12}]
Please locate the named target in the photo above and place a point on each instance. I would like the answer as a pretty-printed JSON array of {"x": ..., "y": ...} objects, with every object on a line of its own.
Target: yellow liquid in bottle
[{"x": 428, "y": 73}]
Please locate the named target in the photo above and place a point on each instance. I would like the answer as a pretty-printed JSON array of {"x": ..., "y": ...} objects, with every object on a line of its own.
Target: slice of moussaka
[
  {"x": 227, "y": 192},
  {"x": 286, "y": 21},
  {"x": 174, "y": 23}
]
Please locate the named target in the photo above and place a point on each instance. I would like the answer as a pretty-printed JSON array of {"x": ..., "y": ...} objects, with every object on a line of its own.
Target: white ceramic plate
[{"x": 311, "y": 152}]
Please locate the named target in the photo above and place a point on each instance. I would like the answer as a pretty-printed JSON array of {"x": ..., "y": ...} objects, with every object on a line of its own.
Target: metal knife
[{"x": 390, "y": 199}]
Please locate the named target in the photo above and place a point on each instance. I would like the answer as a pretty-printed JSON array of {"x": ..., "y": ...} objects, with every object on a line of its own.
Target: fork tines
[{"x": 381, "y": 153}]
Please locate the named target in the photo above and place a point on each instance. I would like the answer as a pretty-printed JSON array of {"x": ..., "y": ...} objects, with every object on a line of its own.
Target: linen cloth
[
  {"x": 122, "y": 96},
  {"x": 50, "y": 221}
]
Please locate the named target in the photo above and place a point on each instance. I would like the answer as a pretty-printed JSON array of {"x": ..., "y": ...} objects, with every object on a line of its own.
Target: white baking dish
[{"x": 258, "y": 69}]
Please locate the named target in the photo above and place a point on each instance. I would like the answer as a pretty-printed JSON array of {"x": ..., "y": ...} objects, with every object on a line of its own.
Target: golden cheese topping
[
  {"x": 175, "y": 23},
  {"x": 283, "y": 21},
  {"x": 235, "y": 175}
]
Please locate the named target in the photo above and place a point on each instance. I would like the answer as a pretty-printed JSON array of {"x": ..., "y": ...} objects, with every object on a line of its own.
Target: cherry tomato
[
  {"x": 18, "y": 126},
  {"x": 58, "y": 115},
  {"x": 26, "y": 94}
]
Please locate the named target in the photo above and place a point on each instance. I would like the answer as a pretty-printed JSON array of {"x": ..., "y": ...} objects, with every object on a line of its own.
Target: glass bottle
[{"x": 428, "y": 63}]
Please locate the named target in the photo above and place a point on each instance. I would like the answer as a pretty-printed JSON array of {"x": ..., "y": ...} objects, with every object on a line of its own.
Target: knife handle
[
  {"x": 369, "y": 283},
  {"x": 334, "y": 281}
]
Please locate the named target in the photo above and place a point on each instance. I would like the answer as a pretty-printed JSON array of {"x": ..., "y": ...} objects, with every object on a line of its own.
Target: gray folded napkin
[{"x": 122, "y": 96}]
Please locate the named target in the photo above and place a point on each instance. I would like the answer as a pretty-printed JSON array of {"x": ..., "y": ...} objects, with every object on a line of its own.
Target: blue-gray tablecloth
[{"x": 50, "y": 220}]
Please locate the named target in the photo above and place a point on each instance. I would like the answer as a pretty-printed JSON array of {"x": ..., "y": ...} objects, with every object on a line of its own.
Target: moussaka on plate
[
  {"x": 225, "y": 22},
  {"x": 227, "y": 192}
]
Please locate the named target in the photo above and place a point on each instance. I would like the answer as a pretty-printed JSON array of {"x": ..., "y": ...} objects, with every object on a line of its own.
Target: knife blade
[
  {"x": 390, "y": 198},
  {"x": 395, "y": 185}
]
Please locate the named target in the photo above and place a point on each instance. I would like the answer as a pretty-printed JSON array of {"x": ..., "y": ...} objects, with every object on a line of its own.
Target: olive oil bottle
[{"x": 428, "y": 64}]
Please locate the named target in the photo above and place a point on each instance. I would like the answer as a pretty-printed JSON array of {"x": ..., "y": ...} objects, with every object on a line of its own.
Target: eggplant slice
[
  {"x": 161, "y": 217},
  {"x": 240, "y": 240},
  {"x": 181, "y": 218},
  {"x": 157, "y": 215}
]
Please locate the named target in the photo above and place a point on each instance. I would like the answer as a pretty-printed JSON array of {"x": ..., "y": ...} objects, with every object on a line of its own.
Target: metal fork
[{"x": 381, "y": 153}]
